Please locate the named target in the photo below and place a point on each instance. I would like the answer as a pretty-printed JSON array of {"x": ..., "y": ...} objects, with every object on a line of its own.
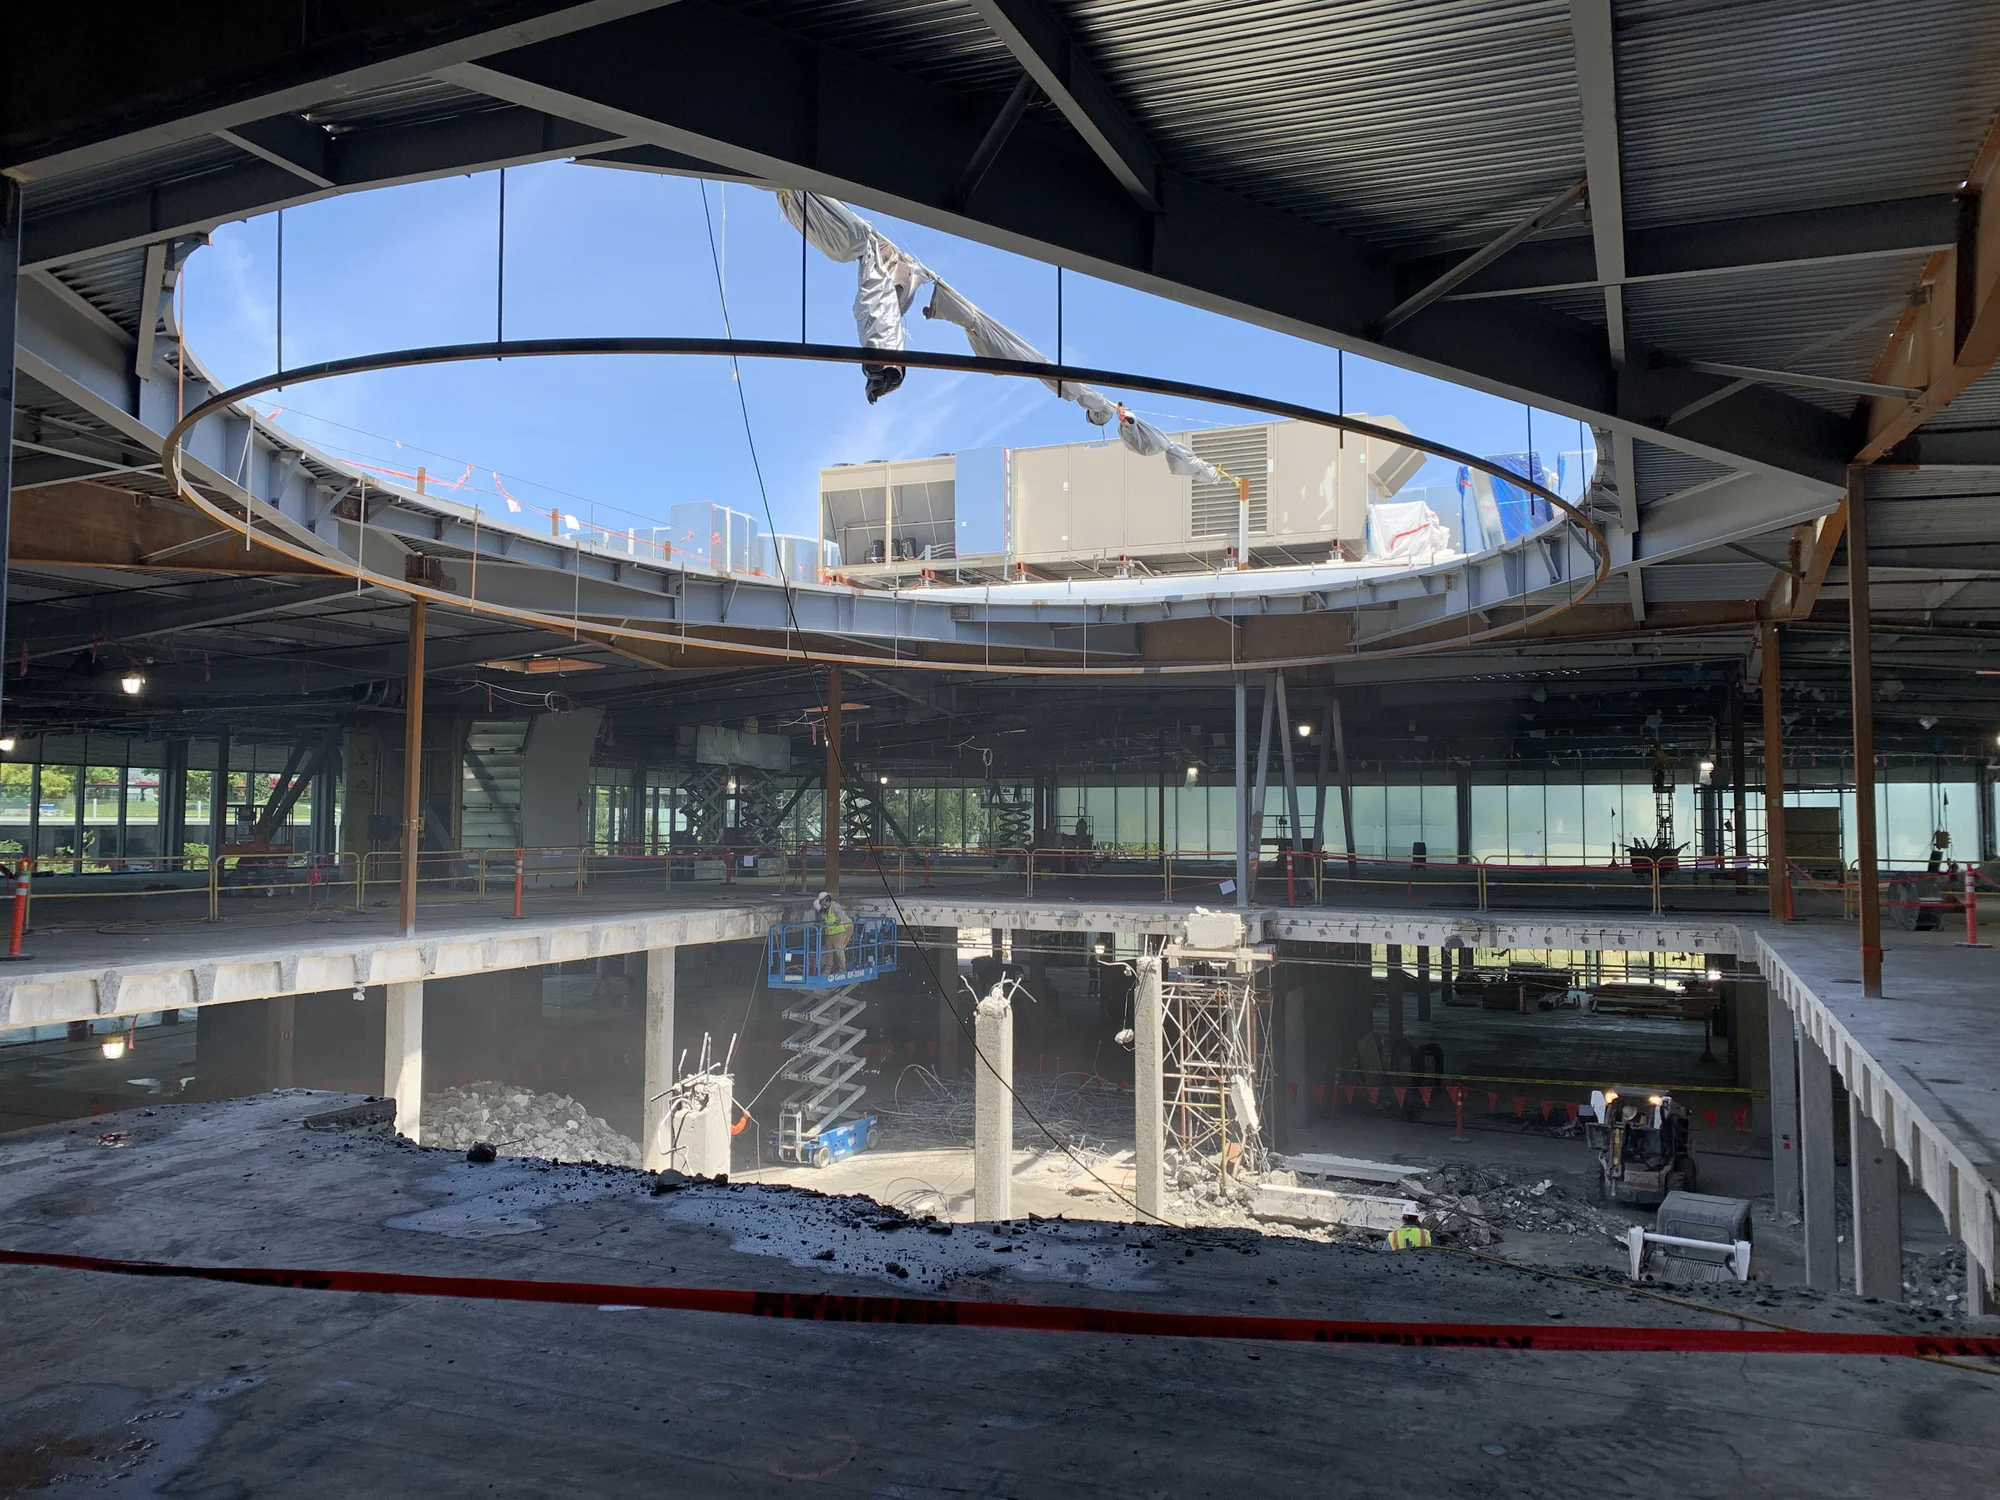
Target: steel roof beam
[
  {"x": 1970, "y": 448},
  {"x": 1549, "y": 213},
  {"x": 55, "y": 630},
  {"x": 290, "y": 141},
  {"x": 177, "y": 76},
  {"x": 1955, "y": 338},
  {"x": 1050, "y": 55},
  {"x": 1597, "y": 87},
  {"x": 703, "y": 82},
  {"x": 379, "y": 157},
  {"x": 1722, "y": 247}
]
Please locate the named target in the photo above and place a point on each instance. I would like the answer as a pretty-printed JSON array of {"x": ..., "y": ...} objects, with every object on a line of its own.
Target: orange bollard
[
  {"x": 23, "y": 872},
  {"x": 1971, "y": 913}
]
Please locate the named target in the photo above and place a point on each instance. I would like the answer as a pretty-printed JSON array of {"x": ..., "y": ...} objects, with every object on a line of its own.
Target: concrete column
[
  {"x": 659, "y": 1058},
  {"x": 1878, "y": 1209},
  {"x": 1979, "y": 1299},
  {"x": 1816, "y": 1167},
  {"x": 403, "y": 1057},
  {"x": 993, "y": 1109},
  {"x": 1784, "y": 1054},
  {"x": 1423, "y": 984},
  {"x": 1298, "y": 1089},
  {"x": 1149, "y": 1121},
  {"x": 280, "y": 1020},
  {"x": 1392, "y": 981}
]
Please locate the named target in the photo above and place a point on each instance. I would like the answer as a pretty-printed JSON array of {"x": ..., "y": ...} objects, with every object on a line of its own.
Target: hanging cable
[{"x": 874, "y": 854}]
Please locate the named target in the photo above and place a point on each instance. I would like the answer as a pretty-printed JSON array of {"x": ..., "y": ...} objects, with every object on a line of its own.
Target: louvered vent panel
[{"x": 1240, "y": 450}]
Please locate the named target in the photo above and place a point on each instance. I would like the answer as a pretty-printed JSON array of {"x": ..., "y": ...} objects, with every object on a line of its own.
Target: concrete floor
[
  {"x": 1936, "y": 1029},
  {"x": 125, "y": 1387}
]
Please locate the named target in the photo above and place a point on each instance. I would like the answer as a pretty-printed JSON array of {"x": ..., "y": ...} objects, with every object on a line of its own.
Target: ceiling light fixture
[
  {"x": 6, "y": 744},
  {"x": 132, "y": 682}
]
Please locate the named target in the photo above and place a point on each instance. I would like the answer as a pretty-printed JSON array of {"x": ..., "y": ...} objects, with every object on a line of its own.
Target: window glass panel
[
  {"x": 100, "y": 811},
  {"x": 17, "y": 799},
  {"x": 1371, "y": 820},
  {"x": 1404, "y": 814},
  {"x": 1563, "y": 800},
  {"x": 1603, "y": 820},
  {"x": 1527, "y": 838},
  {"x": 142, "y": 812},
  {"x": 1441, "y": 820},
  {"x": 1489, "y": 820}
]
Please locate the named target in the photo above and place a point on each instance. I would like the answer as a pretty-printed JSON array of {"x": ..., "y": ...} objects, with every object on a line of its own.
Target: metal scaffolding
[{"x": 1216, "y": 1068}]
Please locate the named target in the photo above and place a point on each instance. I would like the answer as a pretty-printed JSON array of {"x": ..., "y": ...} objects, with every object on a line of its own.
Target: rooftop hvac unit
[
  {"x": 1243, "y": 451},
  {"x": 715, "y": 537},
  {"x": 800, "y": 559}
]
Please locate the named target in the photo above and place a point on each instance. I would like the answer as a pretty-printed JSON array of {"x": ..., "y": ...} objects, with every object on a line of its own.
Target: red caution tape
[
  {"x": 1742, "y": 1119},
  {"x": 1424, "y": 1093},
  {"x": 1400, "y": 1093},
  {"x": 1520, "y": 1105},
  {"x": 1708, "y": 1118},
  {"x": 1292, "y": 1091},
  {"x": 1492, "y": 1101},
  {"x": 1374, "y": 1094},
  {"x": 1319, "y": 1092},
  {"x": 1548, "y": 1108},
  {"x": 1573, "y": 1111},
  {"x": 1456, "y": 1092},
  {"x": 1347, "y": 1092},
  {"x": 827, "y": 1307}
]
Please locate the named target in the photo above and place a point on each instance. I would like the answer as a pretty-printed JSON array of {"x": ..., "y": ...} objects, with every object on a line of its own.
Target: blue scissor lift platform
[{"x": 815, "y": 1125}]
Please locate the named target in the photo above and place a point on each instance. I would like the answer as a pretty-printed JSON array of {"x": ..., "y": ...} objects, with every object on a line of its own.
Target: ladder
[{"x": 824, "y": 1066}]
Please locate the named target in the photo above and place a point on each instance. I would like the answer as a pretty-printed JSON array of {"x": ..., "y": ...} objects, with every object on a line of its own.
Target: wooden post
[
  {"x": 413, "y": 764},
  {"x": 831, "y": 816},
  {"x": 1774, "y": 773},
  {"x": 1863, "y": 692}
]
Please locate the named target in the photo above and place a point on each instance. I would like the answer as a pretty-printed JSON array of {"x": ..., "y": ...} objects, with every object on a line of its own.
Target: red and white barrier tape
[{"x": 827, "y": 1307}]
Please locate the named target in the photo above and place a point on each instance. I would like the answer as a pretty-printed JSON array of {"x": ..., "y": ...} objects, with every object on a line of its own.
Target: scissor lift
[{"x": 815, "y": 1125}]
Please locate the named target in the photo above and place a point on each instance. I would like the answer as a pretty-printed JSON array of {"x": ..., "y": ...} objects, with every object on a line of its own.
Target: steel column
[
  {"x": 830, "y": 817},
  {"x": 10, "y": 302},
  {"x": 1242, "y": 792},
  {"x": 1774, "y": 777},
  {"x": 413, "y": 765},
  {"x": 1863, "y": 696}
]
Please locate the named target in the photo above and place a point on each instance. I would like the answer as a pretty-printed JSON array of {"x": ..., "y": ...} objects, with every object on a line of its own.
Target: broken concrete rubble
[
  {"x": 1306, "y": 1205},
  {"x": 520, "y": 1122}
]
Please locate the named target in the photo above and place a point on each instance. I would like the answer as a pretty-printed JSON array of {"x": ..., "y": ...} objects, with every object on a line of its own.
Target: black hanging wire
[
  {"x": 500, "y": 272},
  {"x": 833, "y": 747}
]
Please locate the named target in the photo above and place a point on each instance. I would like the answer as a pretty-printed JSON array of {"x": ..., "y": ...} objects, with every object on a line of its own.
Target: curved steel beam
[{"x": 279, "y": 537}]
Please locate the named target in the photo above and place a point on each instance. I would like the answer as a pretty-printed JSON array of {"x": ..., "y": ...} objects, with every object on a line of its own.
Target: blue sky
[{"x": 592, "y": 250}]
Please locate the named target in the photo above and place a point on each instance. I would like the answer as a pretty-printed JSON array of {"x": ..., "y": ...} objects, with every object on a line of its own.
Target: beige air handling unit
[{"x": 1087, "y": 507}]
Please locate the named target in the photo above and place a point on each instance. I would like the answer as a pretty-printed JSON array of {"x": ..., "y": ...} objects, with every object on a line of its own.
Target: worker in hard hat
[{"x": 836, "y": 930}]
